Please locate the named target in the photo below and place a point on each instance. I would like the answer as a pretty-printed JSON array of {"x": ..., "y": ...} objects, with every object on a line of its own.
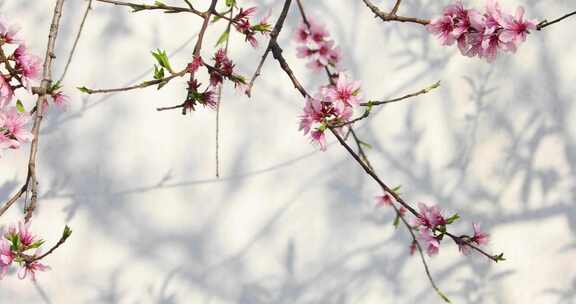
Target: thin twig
[
  {"x": 277, "y": 53},
  {"x": 421, "y": 254},
  {"x": 142, "y": 85},
  {"x": 360, "y": 148},
  {"x": 273, "y": 38},
  {"x": 13, "y": 199},
  {"x": 364, "y": 115},
  {"x": 73, "y": 50},
  {"x": 373, "y": 174},
  {"x": 65, "y": 235},
  {"x": 43, "y": 91},
  {"x": 547, "y": 23},
  {"x": 136, "y": 7},
  {"x": 396, "y": 7},
  {"x": 189, "y": 4},
  {"x": 392, "y": 16},
  {"x": 421, "y": 92}
]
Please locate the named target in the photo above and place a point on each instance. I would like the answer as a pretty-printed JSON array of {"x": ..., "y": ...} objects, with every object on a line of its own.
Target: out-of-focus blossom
[
  {"x": 315, "y": 45},
  {"x": 29, "y": 270}
]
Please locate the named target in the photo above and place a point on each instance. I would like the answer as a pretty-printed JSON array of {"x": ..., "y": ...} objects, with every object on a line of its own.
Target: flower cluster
[
  {"x": 331, "y": 106},
  {"x": 242, "y": 24},
  {"x": 14, "y": 249},
  {"x": 315, "y": 45},
  {"x": 431, "y": 225},
  {"x": 17, "y": 69},
  {"x": 223, "y": 69},
  {"x": 481, "y": 34}
]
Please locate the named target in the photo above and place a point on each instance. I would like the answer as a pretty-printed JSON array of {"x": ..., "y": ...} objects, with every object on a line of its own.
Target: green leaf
[
  {"x": 396, "y": 221},
  {"x": 215, "y": 19},
  {"x": 223, "y": 38},
  {"x": 15, "y": 242},
  {"x": 136, "y": 7},
  {"x": 162, "y": 59},
  {"x": 397, "y": 189},
  {"x": 36, "y": 244},
  {"x": 84, "y": 90},
  {"x": 452, "y": 219},
  {"x": 365, "y": 145},
  {"x": 159, "y": 3},
  {"x": 67, "y": 232},
  {"x": 55, "y": 87},
  {"x": 262, "y": 27},
  {"x": 158, "y": 72},
  {"x": 499, "y": 257},
  {"x": 20, "y": 106},
  {"x": 432, "y": 87},
  {"x": 230, "y": 3}
]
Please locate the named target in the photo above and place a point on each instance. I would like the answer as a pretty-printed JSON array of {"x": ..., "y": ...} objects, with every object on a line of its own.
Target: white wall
[{"x": 286, "y": 223}]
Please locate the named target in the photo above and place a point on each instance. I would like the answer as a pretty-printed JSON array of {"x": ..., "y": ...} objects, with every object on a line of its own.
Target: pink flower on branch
[
  {"x": 479, "y": 238},
  {"x": 29, "y": 269},
  {"x": 345, "y": 91},
  {"x": 27, "y": 64},
  {"x": 333, "y": 105},
  {"x": 430, "y": 242},
  {"x": 314, "y": 44},
  {"x": 429, "y": 217},
  {"x": 12, "y": 128},
  {"x": 481, "y": 34},
  {"x": 8, "y": 33}
]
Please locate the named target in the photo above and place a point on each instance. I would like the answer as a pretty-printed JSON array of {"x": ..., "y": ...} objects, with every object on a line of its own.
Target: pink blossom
[
  {"x": 61, "y": 100},
  {"x": 481, "y": 34},
  {"x": 442, "y": 27},
  {"x": 312, "y": 32},
  {"x": 195, "y": 64},
  {"x": 314, "y": 44},
  {"x": 26, "y": 237},
  {"x": 13, "y": 125},
  {"x": 516, "y": 28},
  {"x": 345, "y": 91},
  {"x": 317, "y": 114},
  {"x": 27, "y": 64},
  {"x": 429, "y": 217},
  {"x": 431, "y": 243},
  {"x": 6, "y": 257},
  {"x": 480, "y": 237},
  {"x": 402, "y": 210},
  {"x": 384, "y": 200},
  {"x": 8, "y": 33},
  {"x": 6, "y": 92},
  {"x": 30, "y": 269},
  {"x": 319, "y": 138}
]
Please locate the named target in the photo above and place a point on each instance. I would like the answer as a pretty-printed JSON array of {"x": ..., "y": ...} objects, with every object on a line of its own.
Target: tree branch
[
  {"x": 73, "y": 50},
  {"x": 273, "y": 38},
  {"x": 392, "y": 15},
  {"x": 547, "y": 23}
]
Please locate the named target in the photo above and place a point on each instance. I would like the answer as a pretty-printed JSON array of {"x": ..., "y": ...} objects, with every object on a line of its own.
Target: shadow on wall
[{"x": 95, "y": 190}]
